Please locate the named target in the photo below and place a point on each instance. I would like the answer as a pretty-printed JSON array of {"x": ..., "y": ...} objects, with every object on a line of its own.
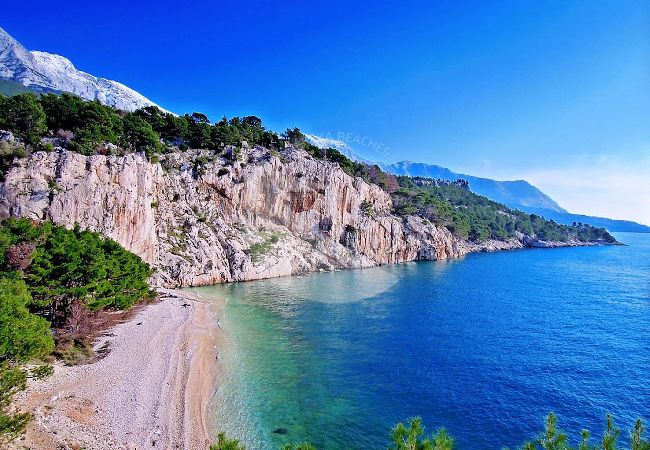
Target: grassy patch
[{"x": 75, "y": 351}]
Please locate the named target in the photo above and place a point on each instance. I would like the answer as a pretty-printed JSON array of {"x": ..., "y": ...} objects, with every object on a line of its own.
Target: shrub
[
  {"x": 24, "y": 115},
  {"x": 224, "y": 443},
  {"x": 368, "y": 209},
  {"x": 12, "y": 381},
  {"x": 258, "y": 250},
  {"x": 54, "y": 186},
  {"x": 42, "y": 371},
  {"x": 8, "y": 152},
  {"x": 45, "y": 147},
  {"x": 74, "y": 351},
  {"x": 19, "y": 256},
  {"x": 412, "y": 437}
]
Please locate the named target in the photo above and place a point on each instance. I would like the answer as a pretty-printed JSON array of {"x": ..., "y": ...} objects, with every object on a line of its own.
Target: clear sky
[{"x": 555, "y": 92}]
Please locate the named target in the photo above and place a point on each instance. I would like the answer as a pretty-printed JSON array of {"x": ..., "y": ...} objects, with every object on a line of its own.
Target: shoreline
[
  {"x": 495, "y": 245},
  {"x": 154, "y": 387},
  {"x": 470, "y": 247},
  {"x": 152, "y": 390}
]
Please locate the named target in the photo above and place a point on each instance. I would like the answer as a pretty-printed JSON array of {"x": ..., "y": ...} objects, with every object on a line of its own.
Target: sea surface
[{"x": 484, "y": 346}]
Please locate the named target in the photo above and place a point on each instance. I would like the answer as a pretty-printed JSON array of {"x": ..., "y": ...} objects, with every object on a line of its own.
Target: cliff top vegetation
[{"x": 89, "y": 128}]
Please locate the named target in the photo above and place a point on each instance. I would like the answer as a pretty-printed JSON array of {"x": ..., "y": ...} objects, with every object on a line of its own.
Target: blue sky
[{"x": 555, "y": 92}]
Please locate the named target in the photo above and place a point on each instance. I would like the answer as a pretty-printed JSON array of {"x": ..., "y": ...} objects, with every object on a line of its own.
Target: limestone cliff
[{"x": 197, "y": 223}]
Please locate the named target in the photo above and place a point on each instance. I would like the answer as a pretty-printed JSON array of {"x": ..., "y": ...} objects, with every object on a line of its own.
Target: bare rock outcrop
[{"x": 209, "y": 220}]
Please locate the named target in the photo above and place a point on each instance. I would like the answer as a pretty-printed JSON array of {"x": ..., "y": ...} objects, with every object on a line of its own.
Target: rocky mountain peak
[{"x": 46, "y": 72}]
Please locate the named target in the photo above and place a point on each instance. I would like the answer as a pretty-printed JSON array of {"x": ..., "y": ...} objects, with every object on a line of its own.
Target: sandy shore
[{"x": 152, "y": 390}]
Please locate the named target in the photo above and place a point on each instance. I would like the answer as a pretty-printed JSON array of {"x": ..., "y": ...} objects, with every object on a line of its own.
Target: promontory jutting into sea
[{"x": 177, "y": 279}]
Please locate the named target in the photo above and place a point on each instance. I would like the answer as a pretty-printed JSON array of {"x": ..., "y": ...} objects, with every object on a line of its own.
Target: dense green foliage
[
  {"x": 66, "y": 265},
  {"x": 24, "y": 115},
  {"x": 86, "y": 127},
  {"x": 23, "y": 335},
  {"x": 478, "y": 218}
]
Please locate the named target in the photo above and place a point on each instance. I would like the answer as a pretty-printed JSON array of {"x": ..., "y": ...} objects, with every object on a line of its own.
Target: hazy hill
[{"x": 518, "y": 194}]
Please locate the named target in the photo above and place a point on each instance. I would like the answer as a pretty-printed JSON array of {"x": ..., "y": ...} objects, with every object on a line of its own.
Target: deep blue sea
[{"x": 484, "y": 346}]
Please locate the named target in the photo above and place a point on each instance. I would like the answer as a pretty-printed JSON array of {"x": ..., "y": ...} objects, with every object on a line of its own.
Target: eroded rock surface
[{"x": 204, "y": 223}]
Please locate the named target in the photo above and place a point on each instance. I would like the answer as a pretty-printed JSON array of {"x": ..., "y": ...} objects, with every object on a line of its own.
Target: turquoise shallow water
[{"x": 484, "y": 346}]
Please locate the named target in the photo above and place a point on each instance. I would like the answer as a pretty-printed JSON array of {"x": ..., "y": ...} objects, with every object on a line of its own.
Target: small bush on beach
[
  {"x": 41, "y": 372},
  {"x": 74, "y": 352}
]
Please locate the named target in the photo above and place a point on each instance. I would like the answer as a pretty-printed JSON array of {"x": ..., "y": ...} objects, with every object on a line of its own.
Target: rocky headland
[{"x": 201, "y": 221}]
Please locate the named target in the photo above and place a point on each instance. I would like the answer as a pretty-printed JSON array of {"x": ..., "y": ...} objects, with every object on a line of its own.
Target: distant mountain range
[
  {"x": 613, "y": 225},
  {"x": 45, "y": 72},
  {"x": 517, "y": 194}
]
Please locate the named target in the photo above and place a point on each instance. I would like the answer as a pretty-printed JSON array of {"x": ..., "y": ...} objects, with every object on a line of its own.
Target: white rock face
[
  {"x": 48, "y": 72},
  {"x": 218, "y": 222}
]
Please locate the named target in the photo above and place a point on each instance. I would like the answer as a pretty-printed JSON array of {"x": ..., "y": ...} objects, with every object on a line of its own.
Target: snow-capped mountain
[
  {"x": 45, "y": 72},
  {"x": 323, "y": 142}
]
